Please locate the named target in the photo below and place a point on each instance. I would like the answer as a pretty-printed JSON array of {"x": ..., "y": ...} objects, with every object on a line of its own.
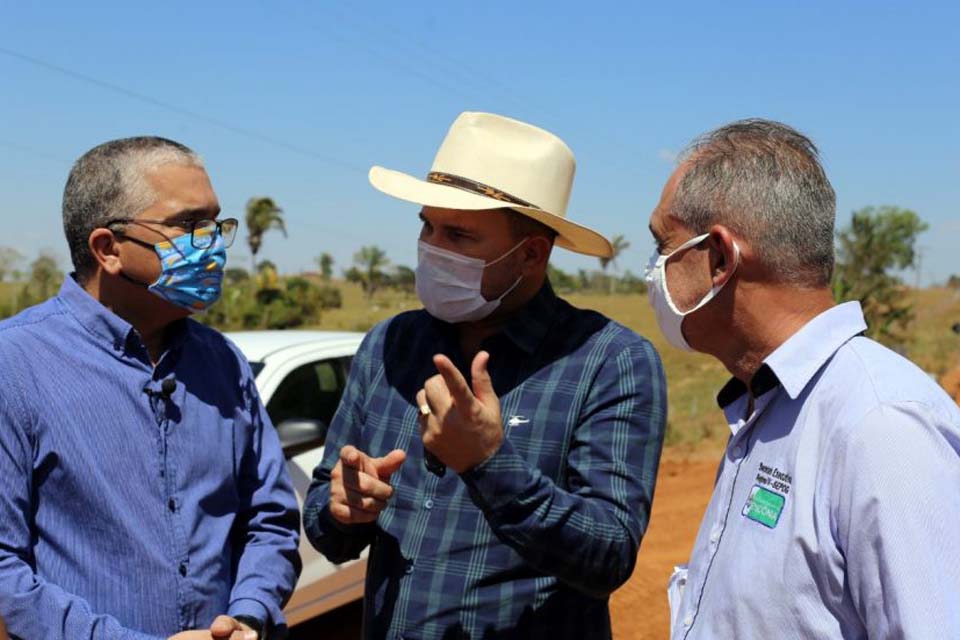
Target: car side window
[{"x": 309, "y": 392}]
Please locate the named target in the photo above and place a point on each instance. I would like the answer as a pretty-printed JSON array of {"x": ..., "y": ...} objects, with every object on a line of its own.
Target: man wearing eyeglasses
[{"x": 143, "y": 490}]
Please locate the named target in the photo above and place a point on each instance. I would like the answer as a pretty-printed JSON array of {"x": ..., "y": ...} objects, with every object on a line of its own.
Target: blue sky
[{"x": 296, "y": 100}]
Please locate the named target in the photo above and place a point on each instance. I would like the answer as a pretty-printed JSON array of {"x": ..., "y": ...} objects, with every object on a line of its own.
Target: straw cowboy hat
[{"x": 490, "y": 162}]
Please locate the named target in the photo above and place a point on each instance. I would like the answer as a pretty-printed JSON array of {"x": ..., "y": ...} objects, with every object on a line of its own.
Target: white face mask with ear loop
[
  {"x": 669, "y": 317},
  {"x": 449, "y": 284}
]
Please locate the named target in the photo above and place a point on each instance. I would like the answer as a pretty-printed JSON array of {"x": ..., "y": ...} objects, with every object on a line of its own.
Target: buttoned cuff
[
  {"x": 499, "y": 480},
  {"x": 249, "y": 607}
]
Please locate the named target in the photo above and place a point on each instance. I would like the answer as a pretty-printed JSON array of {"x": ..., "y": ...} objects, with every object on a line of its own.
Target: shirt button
[
  {"x": 172, "y": 505},
  {"x": 715, "y": 536},
  {"x": 428, "y": 504},
  {"x": 737, "y": 451},
  {"x": 409, "y": 568},
  {"x": 183, "y": 569},
  {"x": 688, "y": 620}
]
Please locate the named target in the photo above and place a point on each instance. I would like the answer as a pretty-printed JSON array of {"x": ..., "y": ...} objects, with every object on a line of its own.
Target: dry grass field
[{"x": 692, "y": 379}]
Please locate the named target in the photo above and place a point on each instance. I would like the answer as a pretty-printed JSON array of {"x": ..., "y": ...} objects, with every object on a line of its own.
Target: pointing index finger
[{"x": 462, "y": 395}]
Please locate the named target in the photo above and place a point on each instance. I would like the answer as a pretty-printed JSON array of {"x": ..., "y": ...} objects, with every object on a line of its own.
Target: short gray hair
[
  {"x": 764, "y": 181},
  {"x": 109, "y": 182}
]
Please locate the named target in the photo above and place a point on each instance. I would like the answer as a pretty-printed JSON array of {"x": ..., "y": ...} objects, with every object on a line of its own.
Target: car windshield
[{"x": 256, "y": 367}]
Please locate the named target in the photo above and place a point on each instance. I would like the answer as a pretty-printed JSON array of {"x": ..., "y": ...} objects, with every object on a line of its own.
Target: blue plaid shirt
[
  {"x": 531, "y": 543},
  {"x": 125, "y": 515}
]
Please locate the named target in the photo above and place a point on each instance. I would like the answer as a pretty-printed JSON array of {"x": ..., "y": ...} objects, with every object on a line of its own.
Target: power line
[
  {"x": 386, "y": 57},
  {"x": 115, "y": 88},
  {"x": 466, "y": 73}
]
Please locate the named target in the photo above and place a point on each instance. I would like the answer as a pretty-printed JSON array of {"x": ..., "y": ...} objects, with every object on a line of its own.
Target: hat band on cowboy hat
[
  {"x": 488, "y": 161},
  {"x": 466, "y": 184}
]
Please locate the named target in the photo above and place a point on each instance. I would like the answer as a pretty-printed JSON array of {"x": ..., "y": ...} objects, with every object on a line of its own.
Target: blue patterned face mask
[{"x": 191, "y": 278}]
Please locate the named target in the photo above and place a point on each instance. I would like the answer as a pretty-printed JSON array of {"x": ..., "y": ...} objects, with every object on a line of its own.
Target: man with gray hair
[
  {"x": 143, "y": 490},
  {"x": 835, "y": 510}
]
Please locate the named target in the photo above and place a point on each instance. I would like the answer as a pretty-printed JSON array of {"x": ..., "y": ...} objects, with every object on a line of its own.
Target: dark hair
[
  {"x": 524, "y": 226},
  {"x": 109, "y": 182}
]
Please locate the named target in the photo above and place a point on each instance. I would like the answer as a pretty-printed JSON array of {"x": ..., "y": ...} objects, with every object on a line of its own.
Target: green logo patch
[{"x": 764, "y": 506}]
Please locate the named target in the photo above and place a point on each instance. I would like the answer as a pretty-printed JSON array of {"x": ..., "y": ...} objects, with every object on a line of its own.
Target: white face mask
[
  {"x": 669, "y": 317},
  {"x": 448, "y": 284}
]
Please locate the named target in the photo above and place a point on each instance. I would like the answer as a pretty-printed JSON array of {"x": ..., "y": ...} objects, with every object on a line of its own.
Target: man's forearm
[{"x": 579, "y": 540}]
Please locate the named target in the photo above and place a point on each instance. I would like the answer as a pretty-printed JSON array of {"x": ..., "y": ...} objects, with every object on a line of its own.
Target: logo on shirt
[
  {"x": 764, "y": 506},
  {"x": 768, "y": 496}
]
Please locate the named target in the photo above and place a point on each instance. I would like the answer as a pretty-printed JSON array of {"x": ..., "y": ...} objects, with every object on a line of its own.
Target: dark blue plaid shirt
[{"x": 531, "y": 543}]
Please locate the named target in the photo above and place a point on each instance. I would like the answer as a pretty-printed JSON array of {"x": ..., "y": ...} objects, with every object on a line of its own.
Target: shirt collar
[
  {"x": 530, "y": 325},
  {"x": 95, "y": 318},
  {"x": 795, "y": 362},
  {"x": 108, "y": 326}
]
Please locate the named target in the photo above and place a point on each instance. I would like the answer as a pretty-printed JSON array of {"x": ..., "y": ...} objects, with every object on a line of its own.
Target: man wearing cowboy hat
[{"x": 497, "y": 451}]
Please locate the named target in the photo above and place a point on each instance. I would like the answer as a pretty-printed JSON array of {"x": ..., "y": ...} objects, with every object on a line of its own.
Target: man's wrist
[{"x": 255, "y": 624}]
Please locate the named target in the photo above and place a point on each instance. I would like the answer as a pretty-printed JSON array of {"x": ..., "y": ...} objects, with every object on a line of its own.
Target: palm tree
[
  {"x": 325, "y": 262},
  {"x": 263, "y": 214},
  {"x": 619, "y": 244},
  {"x": 371, "y": 261}
]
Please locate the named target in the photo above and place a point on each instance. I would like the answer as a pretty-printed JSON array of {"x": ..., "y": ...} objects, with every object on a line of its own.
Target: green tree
[
  {"x": 9, "y": 259},
  {"x": 45, "y": 278},
  {"x": 403, "y": 279},
  {"x": 236, "y": 275},
  {"x": 268, "y": 279},
  {"x": 632, "y": 283},
  {"x": 561, "y": 280},
  {"x": 620, "y": 244},
  {"x": 325, "y": 263},
  {"x": 263, "y": 214},
  {"x": 878, "y": 242},
  {"x": 953, "y": 282},
  {"x": 370, "y": 263}
]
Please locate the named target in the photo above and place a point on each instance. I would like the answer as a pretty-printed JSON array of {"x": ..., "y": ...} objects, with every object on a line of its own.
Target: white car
[{"x": 301, "y": 376}]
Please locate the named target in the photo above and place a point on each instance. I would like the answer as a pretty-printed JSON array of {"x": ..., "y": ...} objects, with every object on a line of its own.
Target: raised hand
[
  {"x": 360, "y": 485},
  {"x": 463, "y": 426}
]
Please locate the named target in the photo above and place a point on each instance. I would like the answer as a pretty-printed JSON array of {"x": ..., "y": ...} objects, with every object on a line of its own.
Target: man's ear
[
  {"x": 105, "y": 249},
  {"x": 724, "y": 254},
  {"x": 535, "y": 253}
]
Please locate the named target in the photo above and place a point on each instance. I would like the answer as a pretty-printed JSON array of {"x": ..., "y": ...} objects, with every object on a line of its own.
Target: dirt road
[{"x": 639, "y": 608}]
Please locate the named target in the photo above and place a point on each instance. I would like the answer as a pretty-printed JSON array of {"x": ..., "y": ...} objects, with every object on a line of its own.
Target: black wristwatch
[{"x": 254, "y": 624}]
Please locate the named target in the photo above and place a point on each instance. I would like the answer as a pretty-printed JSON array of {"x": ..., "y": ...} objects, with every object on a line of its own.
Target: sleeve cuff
[
  {"x": 249, "y": 607},
  {"x": 500, "y": 479}
]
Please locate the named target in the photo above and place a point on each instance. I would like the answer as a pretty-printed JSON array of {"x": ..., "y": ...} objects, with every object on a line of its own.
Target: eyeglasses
[{"x": 202, "y": 232}]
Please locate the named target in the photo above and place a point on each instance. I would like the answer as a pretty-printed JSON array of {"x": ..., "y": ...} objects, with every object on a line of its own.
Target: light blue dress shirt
[{"x": 836, "y": 510}]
